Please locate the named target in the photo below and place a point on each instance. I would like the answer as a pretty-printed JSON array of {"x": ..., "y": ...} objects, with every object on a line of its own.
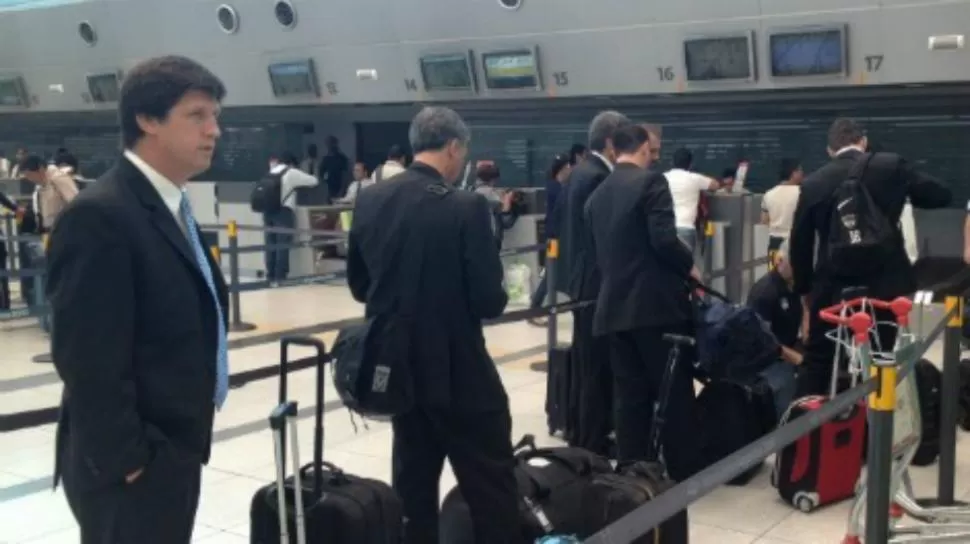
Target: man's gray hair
[
  {"x": 602, "y": 127},
  {"x": 434, "y": 127}
]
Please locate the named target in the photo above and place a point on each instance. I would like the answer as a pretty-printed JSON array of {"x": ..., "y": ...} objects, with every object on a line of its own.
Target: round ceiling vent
[
  {"x": 510, "y": 4},
  {"x": 228, "y": 18},
  {"x": 285, "y": 13},
  {"x": 87, "y": 33}
]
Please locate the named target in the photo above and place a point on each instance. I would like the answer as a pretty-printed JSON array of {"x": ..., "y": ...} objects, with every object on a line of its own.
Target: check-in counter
[{"x": 743, "y": 239}]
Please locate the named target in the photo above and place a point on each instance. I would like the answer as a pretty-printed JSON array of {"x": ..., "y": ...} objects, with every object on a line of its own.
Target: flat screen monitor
[
  {"x": 818, "y": 52},
  {"x": 451, "y": 72},
  {"x": 294, "y": 78},
  {"x": 508, "y": 70},
  {"x": 721, "y": 58},
  {"x": 104, "y": 87},
  {"x": 13, "y": 92}
]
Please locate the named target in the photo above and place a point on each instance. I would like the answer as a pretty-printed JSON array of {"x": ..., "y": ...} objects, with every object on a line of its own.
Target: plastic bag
[{"x": 518, "y": 283}]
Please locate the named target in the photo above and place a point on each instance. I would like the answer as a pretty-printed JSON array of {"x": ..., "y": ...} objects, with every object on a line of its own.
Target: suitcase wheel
[{"x": 805, "y": 502}]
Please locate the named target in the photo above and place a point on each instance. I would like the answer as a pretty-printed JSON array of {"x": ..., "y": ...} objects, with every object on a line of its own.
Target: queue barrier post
[
  {"x": 552, "y": 327},
  {"x": 236, "y": 323},
  {"x": 882, "y": 406},
  {"x": 949, "y": 400}
]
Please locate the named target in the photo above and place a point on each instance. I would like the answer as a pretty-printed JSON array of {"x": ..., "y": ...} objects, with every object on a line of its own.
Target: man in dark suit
[
  {"x": 140, "y": 308},
  {"x": 589, "y": 418},
  {"x": 643, "y": 295},
  {"x": 890, "y": 180},
  {"x": 462, "y": 410}
]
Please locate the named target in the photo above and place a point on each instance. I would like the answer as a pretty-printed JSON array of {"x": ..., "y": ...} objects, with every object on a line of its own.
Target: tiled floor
[{"x": 242, "y": 459}]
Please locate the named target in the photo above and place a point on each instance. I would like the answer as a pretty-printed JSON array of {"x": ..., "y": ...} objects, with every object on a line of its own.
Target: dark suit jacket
[
  {"x": 458, "y": 285},
  {"x": 890, "y": 181},
  {"x": 136, "y": 335},
  {"x": 576, "y": 272},
  {"x": 644, "y": 266}
]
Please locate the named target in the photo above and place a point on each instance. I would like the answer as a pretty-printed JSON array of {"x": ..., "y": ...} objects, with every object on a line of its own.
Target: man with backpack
[
  {"x": 853, "y": 206},
  {"x": 275, "y": 197}
]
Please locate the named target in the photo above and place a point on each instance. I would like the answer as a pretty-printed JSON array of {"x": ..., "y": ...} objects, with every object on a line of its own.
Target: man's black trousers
[
  {"x": 593, "y": 378},
  {"x": 639, "y": 359},
  {"x": 479, "y": 448},
  {"x": 815, "y": 373},
  {"x": 157, "y": 508}
]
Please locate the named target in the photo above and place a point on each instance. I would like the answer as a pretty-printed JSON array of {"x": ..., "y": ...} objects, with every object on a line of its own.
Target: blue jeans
[
  {"x": 278, "y": 259},
  {"x": 539, "y": 297}
]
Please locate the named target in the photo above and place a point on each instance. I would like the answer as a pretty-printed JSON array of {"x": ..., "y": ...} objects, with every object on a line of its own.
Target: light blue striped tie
[{"x": 222, "y": 357}]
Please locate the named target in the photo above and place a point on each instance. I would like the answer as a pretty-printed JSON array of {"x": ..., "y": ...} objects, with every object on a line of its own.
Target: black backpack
[
  {"x": 267, "y": 196},
  {"x": 861, "y": 237}
]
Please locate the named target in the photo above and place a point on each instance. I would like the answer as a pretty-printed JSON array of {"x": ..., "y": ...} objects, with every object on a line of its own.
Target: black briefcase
[{"x": 319, "y": 503}]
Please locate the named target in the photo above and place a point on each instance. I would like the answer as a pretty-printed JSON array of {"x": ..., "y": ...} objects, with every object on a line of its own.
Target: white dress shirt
[{"x": 167, "y": 189}]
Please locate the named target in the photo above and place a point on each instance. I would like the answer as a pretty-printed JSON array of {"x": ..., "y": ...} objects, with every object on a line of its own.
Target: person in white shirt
[
  {"x": 392, "y": 167},
  {"x": 685, "y": 189},
  {"x": 361, "y": 180},
  {"x": 778, "y": 204},
  {"x": 291, "y": 179}
]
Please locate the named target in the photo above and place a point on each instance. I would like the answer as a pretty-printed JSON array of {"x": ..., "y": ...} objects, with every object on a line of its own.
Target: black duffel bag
[
  {"x": 552, "y": 484},
  {"x": 612, "y": 496}
]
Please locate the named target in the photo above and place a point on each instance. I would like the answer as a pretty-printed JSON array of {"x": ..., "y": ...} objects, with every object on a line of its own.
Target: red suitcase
[{"x": 823, "y": 466}]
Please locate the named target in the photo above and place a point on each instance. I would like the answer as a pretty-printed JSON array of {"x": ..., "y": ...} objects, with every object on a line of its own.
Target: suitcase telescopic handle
[
  {"x": 678, "y": 339},
  {"x": 285, "y": 344},
  {"x": 322, "y": 358}
]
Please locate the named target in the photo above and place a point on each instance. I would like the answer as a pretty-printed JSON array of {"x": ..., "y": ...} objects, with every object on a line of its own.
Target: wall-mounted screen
[
  {"x": 518, "y": 69},
  {"x": 814, "y": 52},
  {"x": 451, "y": 72},
  {"x": 294, "y": 78},
  {"x": 13, "y": 92},
  {"x": 719, "y": 58},
  {"x": 104, "y": 87}
]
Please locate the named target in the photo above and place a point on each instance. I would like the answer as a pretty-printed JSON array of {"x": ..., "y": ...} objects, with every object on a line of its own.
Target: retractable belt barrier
[{"x": 652, "y": 514}]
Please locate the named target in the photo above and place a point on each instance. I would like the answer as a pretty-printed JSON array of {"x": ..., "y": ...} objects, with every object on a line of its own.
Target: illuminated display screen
[
  {"x": 511, "y": 70},
  {"x": 717, "y": 59},
  {"x": 447, "y": 72},
  {"x": 293, "y": 78},
  {"x": 13, "y": 92},
  {"x": 809, "y": 53},
  {"x": 103, "y": 87}
]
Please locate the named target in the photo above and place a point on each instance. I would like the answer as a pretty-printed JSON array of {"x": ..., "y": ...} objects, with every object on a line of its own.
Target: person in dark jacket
[
  {"x": 558, "y": 174},
  {"x": 590, "y": 407},
  {"x": 644, "y": 294},
  {"x": 890, "y": 180},
  {"x": 462, "y": 410},
  {"x": 141, "y": 313}
]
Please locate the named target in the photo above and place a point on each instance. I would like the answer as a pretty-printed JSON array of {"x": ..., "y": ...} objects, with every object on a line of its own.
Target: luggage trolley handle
[
  {"x": 286, "y": 413},
  {"x": 663, "y": 394},
  {"x": 322, "y": 359}
]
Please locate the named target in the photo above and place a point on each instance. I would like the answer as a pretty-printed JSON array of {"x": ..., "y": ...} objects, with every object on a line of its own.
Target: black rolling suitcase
[
  {"x": 613, "y": 495},
  {"x": 557, "y": 392},
  {"x": 331, "y": 507},
  {"x": 929, "y": 383}
]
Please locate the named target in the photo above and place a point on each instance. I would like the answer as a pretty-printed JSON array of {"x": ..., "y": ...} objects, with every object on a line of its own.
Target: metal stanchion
[
  {"x": 882, "y": 404},
  {"x": 552, "y": 255},
  {"x": 236, "y": 323},
  {"x": 949, "y": 398}
]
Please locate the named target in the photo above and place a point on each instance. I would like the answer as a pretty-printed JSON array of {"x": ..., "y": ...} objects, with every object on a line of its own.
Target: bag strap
[{"x": 412, "y": 253}]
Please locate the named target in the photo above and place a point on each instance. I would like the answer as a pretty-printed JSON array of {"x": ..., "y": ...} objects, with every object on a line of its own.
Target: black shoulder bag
[{"x": 372, "y": 360}]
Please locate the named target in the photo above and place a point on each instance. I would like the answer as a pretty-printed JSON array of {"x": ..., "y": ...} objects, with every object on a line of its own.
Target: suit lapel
[{"x": 159, "y": 214}]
